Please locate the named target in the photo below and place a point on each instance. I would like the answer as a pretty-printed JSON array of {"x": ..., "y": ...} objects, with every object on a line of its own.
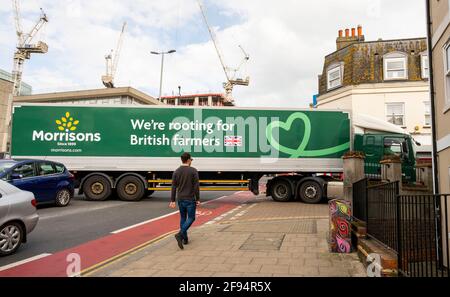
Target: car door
[
  {"x": 23, "y": 176},
  {"x": 47, "y": 182}
]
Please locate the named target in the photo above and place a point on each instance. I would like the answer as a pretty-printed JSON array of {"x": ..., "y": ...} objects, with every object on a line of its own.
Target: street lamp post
[{"x": 162, "y": 69}]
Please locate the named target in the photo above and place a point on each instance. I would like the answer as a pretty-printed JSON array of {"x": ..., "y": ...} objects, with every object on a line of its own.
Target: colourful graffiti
[{"x": 340, "y": 229}]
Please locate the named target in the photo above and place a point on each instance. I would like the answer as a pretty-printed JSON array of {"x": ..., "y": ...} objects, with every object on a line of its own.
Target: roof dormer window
[
  {"x": 334, "y": 76},
  {"x": 395, "y": 66}
]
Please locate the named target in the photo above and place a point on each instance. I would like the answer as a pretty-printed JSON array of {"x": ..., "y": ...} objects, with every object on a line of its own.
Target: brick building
[
  {"x": 386, "y": 79},
  {"x": 6, "y": 88}
]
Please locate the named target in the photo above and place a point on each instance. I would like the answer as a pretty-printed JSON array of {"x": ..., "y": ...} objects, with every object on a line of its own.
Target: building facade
[
  {"x": 25, "y": 89},
  {"x": 197, "y": 100},
  {"x": 439, "y": 14},
  {"x": 6, "y": 88},
  {"x": 107, "y": 96},
  {"x": 385, "y": 79}
]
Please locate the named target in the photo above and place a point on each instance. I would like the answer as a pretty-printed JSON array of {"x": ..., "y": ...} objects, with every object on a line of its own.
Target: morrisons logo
[{"x": 67, "y": 126}]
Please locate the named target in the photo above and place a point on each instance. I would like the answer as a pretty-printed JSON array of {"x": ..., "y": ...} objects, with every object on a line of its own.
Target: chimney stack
[{"x": 355, "y": 37}]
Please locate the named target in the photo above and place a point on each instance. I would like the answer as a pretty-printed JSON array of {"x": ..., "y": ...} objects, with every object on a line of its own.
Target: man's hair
[{"x": 185, "y": 157}]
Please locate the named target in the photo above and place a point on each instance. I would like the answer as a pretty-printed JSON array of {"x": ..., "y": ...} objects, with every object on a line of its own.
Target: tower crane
[
  {"x": 230, "y": 73},
  {"x": 24, "y": 45},
  {"x": 113, "y": 61}
]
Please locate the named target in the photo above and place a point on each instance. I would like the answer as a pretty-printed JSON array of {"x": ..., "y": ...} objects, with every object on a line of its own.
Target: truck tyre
[
  {"x": 97, "y": 188},
  {"x": 281, "y": 191},
  {"x": 310, "y": 192},
  {"x": 130, "y": 188},
  {"x": 149, "y": 193}
]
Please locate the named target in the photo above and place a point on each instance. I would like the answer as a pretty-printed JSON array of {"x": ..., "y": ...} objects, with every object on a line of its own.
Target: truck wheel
[
  {"x": 97, "y": 188},
  {"x": 311, "y": 192},
  {"x": 281, "y": 191},
  {"x": 149, "y": 193},
  {"x": 130, "y": 188}
]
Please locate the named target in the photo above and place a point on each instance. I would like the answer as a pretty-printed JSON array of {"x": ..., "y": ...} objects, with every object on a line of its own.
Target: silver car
[{"x": 18, "y": 217}]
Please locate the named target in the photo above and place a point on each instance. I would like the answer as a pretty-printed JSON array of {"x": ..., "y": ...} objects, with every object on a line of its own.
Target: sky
[{"x": 286, "y": 40}]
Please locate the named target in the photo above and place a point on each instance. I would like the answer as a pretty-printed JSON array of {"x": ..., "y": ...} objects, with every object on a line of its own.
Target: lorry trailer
[{"x": 133, "y": 150}]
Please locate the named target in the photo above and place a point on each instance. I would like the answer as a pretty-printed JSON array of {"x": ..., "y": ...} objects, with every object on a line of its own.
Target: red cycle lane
[{"x": 105, "y": 248}]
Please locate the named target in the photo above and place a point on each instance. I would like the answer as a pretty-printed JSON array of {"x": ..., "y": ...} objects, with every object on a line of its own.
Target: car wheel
[
  {"x": 11, "y": 236},
  {"x": 130, "y": 188},
  {"x": 63, "y": 198},
  {"x": 97, "y": 188},
  {"x": 281, "y": 191},
  {"x": 311, "y": 192}
]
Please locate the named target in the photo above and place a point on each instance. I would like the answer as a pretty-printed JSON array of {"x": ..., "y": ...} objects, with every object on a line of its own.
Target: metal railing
[
  {"x": 360, "y": 200},
  {"x": 382, "y": 213},
  {"x": 423, "y": 245}
]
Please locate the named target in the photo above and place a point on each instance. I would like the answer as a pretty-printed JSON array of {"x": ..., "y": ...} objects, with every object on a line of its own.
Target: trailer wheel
[
  {"x": 130, "y": 188},
  {"x": 97, "y": 188},
  {"x": 281, "y": 191},
  {"x": 310, "y": 192}
]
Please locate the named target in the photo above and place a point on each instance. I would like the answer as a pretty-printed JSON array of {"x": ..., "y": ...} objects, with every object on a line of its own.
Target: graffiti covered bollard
[{"x": 340, "y": 229}]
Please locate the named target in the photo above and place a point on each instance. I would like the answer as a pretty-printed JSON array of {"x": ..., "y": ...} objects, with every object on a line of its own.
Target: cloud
[{"x": 287, "y": 41}]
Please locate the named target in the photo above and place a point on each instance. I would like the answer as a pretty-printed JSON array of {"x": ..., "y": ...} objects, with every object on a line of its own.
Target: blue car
[{"x": 50, "y": 182}]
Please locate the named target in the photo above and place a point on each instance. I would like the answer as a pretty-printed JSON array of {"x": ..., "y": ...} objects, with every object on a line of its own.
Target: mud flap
[{"x": 253, "y": 186}]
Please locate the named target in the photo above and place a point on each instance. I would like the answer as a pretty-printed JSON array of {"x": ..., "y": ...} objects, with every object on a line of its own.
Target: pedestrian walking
[{"x": 185, "y": 190}]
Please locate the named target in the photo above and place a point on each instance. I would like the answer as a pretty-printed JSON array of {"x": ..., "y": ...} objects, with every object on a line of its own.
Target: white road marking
[
  {"x": 161, "y": 217},
  {"x": 143, "y": 223},
  {"x": 18, "y": 263},
  {"x": 83, "y": 210}
]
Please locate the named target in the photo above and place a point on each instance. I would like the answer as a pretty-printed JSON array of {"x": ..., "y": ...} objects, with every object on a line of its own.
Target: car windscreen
[{"x": 4, "y": 166}]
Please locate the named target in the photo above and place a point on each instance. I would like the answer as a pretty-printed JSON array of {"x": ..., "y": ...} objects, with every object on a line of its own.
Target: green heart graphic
[{"x": 301, "y": 150}]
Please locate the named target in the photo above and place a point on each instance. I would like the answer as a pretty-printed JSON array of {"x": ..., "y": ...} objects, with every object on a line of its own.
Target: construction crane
[
  {"x": 230, "y": 73},
  {"x": 24, "y": 45},
  {"x": 113, "y": 61}
]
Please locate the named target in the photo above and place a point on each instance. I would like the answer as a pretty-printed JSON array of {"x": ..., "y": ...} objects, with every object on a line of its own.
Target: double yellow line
[{"x": 91, "y": 270}]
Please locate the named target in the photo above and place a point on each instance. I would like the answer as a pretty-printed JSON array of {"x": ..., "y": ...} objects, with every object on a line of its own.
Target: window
[
  {"x": 395, "y": 66},
  {"x": 425, "y": 66},
  {"x": 45, "y": 168},
  {"x": 60, "y": 168},
  {"x": 334, "y": 77},
  {"x": 427, "y": 114},
  {"x": 395, "y": 146},
  {"x": 395, "y": 113},
  {"x": 447, "y": 74},
  {"x": 26, "y": 170}
]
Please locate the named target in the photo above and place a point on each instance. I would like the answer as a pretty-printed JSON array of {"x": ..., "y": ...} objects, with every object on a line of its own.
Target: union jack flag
[{"x": 233, "y": 140}]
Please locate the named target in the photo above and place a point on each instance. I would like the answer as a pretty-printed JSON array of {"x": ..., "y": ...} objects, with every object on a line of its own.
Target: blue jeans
[{"x": 187, "y": 215}]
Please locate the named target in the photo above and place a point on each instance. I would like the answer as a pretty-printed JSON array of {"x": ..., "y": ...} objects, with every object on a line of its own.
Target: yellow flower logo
[{"x": 67, "y": 123}]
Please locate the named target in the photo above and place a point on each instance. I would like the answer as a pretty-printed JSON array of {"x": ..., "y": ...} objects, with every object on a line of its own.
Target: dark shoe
[
  {"x": 179, "y": 240},
  {"x": 185, "y": 241}
]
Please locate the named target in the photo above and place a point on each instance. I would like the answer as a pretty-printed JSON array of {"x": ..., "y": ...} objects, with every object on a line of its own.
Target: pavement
[{"x": 259, "y": 238}]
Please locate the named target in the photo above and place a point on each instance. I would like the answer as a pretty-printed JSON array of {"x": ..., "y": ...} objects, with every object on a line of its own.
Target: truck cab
[{"x": 377, "y": 145}]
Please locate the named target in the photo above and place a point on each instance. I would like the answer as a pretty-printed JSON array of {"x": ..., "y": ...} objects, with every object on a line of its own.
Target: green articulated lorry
[{"x": 133, "y": 150}]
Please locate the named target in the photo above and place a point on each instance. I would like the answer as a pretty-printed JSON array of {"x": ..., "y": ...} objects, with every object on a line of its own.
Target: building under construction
[{"x": 211, "y": 99}]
